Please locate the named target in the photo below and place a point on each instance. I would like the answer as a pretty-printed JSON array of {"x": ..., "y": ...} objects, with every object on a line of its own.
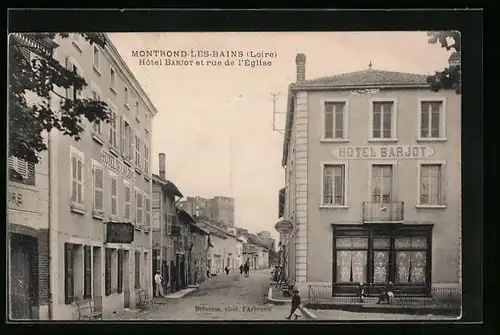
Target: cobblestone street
[{"x": 224, "y": 297}]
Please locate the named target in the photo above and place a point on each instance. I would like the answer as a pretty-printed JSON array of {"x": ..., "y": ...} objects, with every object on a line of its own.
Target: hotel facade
[
  {"x": 373, "y": 183},
  {"x": 100, "y": 189}
]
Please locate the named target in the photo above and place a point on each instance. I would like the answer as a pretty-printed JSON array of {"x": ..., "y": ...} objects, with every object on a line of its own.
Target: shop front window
[{"x": 351, "y": 259}]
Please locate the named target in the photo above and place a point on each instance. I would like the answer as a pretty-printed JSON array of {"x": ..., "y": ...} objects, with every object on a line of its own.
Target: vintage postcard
[{"x": 267, "y": 176}]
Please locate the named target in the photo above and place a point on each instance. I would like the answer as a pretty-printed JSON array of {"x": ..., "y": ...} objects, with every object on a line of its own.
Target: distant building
[{"x": 220, "y": 209}]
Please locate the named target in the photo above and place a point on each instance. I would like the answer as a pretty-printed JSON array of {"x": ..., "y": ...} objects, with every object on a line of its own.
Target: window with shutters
[
  {"x": 125, "y": 97},
  {"x": 114, "y": 195},
  {"x": 71, "y": 92},
  {"x": 21, "y": 171},
  {"x": 120, "y": 271},
  {"x": 112, "y": 127},
  {"x": 147, "y": 222},
  {"x": 139, "y": 208},
  {"x": 334, "y": 185},
  {"x": 431, "y": 190},
  {"x": 77, "y": 175},
  {"x": 137, "y": 269},
  {"x": 107, "y": 271},
  {"x": 146, "y": 121},
  {"x": 98, "y": 178},
  {"x": 69, "y": 275},
  {"x": 137, "y": 151},
  {"x": 137, "y": 110},
  {"x": 128, "y": 203},
  {"x": 87, "y": 279}
]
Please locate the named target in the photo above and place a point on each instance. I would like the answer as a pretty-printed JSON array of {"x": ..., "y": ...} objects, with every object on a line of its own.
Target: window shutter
[
  {"x": 120, "y": 271},
  {"x": 69, "y": 90},
  {"x": 114, "y": 196},
  {"x": 98, "y": 189},
  {"x": 79, "y": 176},
  {"x": 69, "y": 290},
  {"x": 122, "y": 135},
  {"x": 74, "y": 179},
  {"x": 87, "y": 287},
  {"x": 107, "y": 272},
  {"x": 148, "y": 213},
  {"x": 139, "y": 209},
  {"x": 128, "y": 205}
]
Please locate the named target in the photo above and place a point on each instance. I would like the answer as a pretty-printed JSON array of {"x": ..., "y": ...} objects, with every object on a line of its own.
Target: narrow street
[{"x": 224, "y": 297}]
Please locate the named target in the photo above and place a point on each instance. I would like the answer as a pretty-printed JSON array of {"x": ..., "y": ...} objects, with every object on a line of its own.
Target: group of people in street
[{"x": 245, "y": 269}]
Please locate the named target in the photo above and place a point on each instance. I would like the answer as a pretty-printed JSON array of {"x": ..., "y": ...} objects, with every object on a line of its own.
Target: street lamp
[{"x": 284, "y": 227}]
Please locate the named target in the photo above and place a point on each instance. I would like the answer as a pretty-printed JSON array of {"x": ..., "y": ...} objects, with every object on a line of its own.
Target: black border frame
[{"x": 468, "y": 22}]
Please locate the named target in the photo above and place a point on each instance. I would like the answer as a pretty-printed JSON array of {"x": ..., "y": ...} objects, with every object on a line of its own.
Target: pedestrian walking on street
[
  {"x": 295, "y": 311},
  {"x": 241, "y": 269},
  {"x": 159, "y": 284},
  {"x": 227, "y": 270}
]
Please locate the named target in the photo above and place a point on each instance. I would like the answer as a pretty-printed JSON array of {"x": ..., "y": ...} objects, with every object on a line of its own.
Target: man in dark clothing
[
  {"x": 227, "y": 270},
  {"x": 241, "y": 269},
  {"x": 295, "y": 304}
]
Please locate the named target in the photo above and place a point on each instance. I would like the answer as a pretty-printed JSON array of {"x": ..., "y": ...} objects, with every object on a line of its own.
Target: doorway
[
  {"x": 97, "y": 277},
  {"x": 23, "y": 276}
]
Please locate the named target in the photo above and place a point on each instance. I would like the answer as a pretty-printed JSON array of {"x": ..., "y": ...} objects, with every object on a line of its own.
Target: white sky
[{"x": 203, "y": 109}]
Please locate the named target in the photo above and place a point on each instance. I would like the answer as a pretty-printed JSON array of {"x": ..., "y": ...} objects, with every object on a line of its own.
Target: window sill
[
  {"x": 127, "y": 106},
  {"x": 23, "y": 185},
  {"x": 384, "y": 140},
  {"x": 430, "y": 206},
  {"x": 440, "y": 139},
  {"x": 114, "y": 151},
  {"x": 147, "y": 177},
  {"x": 97, "y": 138},
  {"x": 113, "y": 218},
  {"x": 137, "y": 119},
  {"x": 77, "y": 47},
  {"x": 112, "y": 89},
  {"x": 127, "y": 161},
  {"x": 96, "y": 70},
  {"x": 333, "y": 206},
  {"x": 138, "y": 227},
  {"x": 138, "y": 170},
  {"x": 334, "y": 140},
  {"x": 98, "y": 215},
  {"x": 76, "y": 208}
]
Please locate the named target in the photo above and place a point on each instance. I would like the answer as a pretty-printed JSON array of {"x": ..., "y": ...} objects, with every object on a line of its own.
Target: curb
[{"x": 308, "y": 313}]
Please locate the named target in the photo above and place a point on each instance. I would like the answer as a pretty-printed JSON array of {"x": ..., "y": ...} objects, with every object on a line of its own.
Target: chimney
[
  {"x": 161, "y": 158},
  {"x": 300, "y": 61}
]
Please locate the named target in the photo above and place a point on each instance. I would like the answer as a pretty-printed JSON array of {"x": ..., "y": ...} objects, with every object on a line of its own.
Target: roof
[
  {"x": 365, "y": 79},
  {"x": 184, "y": 216},
  {"x": 168, "y": 187},
  {"x": 194, "y": 226},
  {"x": 368, "y": 77}
]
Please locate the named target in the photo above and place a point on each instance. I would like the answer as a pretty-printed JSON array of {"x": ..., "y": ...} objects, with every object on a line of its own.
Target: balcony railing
[{"x": 374, "y": 212}]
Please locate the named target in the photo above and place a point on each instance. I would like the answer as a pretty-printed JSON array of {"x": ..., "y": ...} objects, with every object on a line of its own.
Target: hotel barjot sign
[
  {"x": 117, "y": 165},
  {"x": 384, "y": 152}
]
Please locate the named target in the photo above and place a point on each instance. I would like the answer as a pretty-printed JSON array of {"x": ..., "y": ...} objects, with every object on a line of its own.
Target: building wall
[
  {"x": 28, "y": 215},
  {"x": 223, "y": 210},
  {"x": 81, "y": 226},
  {"x": 217, "y": 254},
  {"x": 447, "y": 221}
]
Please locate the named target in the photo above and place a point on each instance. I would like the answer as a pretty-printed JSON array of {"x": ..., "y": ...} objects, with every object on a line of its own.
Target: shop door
[{"x": 20, "y": 277}]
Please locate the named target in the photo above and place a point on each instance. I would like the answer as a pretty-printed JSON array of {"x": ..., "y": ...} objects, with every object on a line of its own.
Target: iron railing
[
  {"x": 380, "y": 212},
  {"x": 443, "y": 298}
]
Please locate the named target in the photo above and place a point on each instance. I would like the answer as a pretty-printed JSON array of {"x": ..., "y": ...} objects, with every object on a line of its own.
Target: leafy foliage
[
  {"x": 32, "y": 82},
  {"x": 450, "y": 77}
]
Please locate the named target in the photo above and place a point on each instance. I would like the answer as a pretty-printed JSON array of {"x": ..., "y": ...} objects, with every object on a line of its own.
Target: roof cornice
[{"x": 130, "y": 78}]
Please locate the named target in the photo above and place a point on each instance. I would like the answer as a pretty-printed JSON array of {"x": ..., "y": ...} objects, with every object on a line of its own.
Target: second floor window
[
  {"x": 146, "y": 159},
  {"x": 382, "y": 127},
  {"x": 430, "y": 119},
  {"x": 128, "y": 203},
  {"x": 114, "y": 196},
  {"x": 431, "y": 184},
  {"x": 382, "y": 183},
  {"x": 334, "y": 120},
  {"x": 112, "y": 74},
  {"x": 138, "y": 207},
  {"x": 334, "y": 185}
]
